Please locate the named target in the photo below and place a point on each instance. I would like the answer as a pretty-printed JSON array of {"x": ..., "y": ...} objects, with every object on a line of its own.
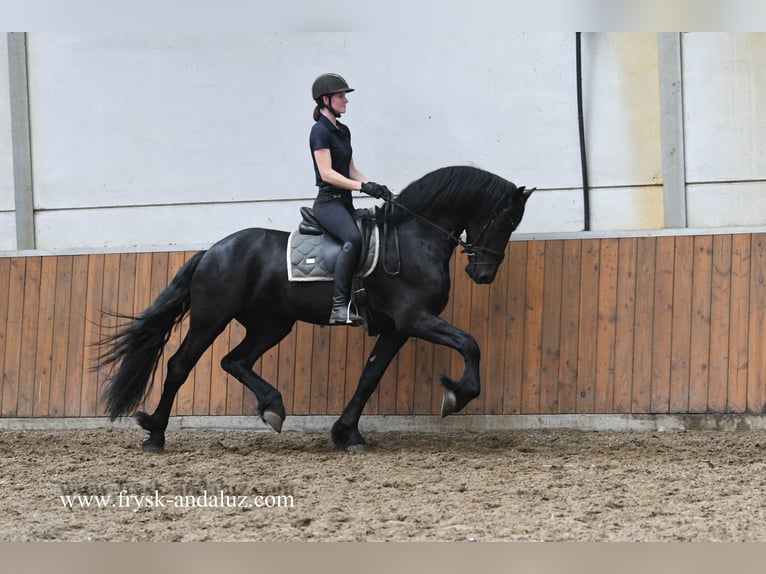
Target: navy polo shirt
[{"x": 324, "y": 135}]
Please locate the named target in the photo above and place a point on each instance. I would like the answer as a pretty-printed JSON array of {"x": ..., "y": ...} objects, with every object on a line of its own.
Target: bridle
[{"x": 469, "y": 249}]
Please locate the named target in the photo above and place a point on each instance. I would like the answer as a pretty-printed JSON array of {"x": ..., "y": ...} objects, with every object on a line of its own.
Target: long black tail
[{"x": 137, "y": 347}]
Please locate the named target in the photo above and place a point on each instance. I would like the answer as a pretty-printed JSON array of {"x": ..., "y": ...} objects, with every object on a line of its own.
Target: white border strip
[{"x": 419, "y": 423}]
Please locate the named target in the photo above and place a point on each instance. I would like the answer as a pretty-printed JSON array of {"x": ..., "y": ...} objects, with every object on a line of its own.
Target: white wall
[
  {"x": 162, "y": 139},
  {"x": 7, "y": 200}
]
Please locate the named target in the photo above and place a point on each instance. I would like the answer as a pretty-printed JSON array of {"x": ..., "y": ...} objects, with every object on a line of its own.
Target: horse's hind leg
[
  {"x": 195, "y": 343},
  {"x": 262, "y": 334}
]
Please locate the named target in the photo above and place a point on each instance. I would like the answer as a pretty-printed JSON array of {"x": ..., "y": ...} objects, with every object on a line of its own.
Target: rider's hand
[{"x": 377, "y": 191}]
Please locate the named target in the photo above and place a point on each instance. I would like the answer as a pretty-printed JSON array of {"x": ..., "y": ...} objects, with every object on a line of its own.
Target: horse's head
[{"x": 487, "y": 237}]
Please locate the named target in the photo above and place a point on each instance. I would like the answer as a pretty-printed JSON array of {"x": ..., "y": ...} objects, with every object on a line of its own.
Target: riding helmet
[{"x": 327, "y": 84}]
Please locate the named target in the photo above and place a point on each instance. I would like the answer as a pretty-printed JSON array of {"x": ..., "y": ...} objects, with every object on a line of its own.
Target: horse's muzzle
[{"x": 481, "y": 274}]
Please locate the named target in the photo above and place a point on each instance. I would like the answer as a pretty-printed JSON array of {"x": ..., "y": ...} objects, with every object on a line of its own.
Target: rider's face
[{"x": 338, "y": 102}]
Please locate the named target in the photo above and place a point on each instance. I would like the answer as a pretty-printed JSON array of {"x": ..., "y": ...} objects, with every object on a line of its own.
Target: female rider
[{"x": 336, "y": 178}]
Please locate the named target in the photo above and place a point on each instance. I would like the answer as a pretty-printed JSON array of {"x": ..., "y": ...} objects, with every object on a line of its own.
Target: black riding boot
[{"x": 341, "y": 293}]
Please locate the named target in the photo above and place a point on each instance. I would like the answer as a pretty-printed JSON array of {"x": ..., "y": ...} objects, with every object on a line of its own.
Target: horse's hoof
[
  {"x": 152, "y": 447},
  {"x": 358, "y": 448},
  {"x": 449, "y": 403},
  {"x": 273, "y": 420}
]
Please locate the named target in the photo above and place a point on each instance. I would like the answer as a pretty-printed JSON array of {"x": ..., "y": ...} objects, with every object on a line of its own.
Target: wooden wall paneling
[
  {"x": 739, "y": 327},
  {"x": 45, "y": 336},
  {"x": 570, "y": 326},
  {"x": 533, "y": 327},
  {"x": 424, "y": 377},
  {"x": 513, "y": 353},
  {"x": 5, "y": 278},
  {"x": 756, "y": 375},
  {"x": 699, "y": 356},
  {"x": 76, "y": 337},
  {"x": 26, "y": 377},
  {"x": 590, "y": 271},
  {"x": 720, "y": 316},
  {"x": 107, "y": 321},
  {"x": 607, "y": 319},
  {"x": 663, "y": 321},
  {"x": 304, "y": 352},
  {"x": 493, "y": 353},
  {"x": 625, "y": 325},
  {"x": 681, "y": 325},
  {"x": 13, "y": 335},
  {"x": 91, "y": 380},
  {"x": 320, "y": 370},
  {"x": 551, "y": 327},
  {"x": 336, "y": 390},
  {"x": 479, "y": 325},
  {"x": 372, "y": 406},
  {"x": 61, "y": 332},
  {"x": 646, "y": 257},
  {"x": 404, "y": 398}
]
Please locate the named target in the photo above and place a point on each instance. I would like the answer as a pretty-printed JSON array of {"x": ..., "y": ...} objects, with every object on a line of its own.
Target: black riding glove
[{"x": 377, "y": 191}]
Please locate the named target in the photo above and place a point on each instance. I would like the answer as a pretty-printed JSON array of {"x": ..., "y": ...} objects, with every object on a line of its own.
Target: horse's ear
[{"x": 527, "y": 192}]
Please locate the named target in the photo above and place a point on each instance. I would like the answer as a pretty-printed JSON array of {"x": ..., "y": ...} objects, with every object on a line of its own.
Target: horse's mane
[{"x": 451, "y": 188}]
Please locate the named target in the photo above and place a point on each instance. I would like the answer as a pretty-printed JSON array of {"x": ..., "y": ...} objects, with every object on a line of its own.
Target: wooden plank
[
  {"x": 720, "y": 314},
  {"x": 424, "y": 377},
  {"x": 479, "y": 325},
  {"x": 25, "y": 402},
  {"x": 681, "y": 327},
  {"x": 76, "y": 337},
  {"x": 404, "y": 399},
  {"x": 336, "y": 389},
  {"x": 551, "y": 327},
  {"x": 93, "y": 297},
  {"x": 607, "y": 319},
  {"x": 590, "y": 271},
  {"x": 756, "y": 374},
  {"x": 625, "y": 325},
  {"x": 319, "y": 370},
  {"x": 513, "y": 362},
  {"x": 699, "y": 358},
  {"x": 533, "y": 327},
  {"x": 493, "y": 354},
  {"x": 662, "y": 324},
  {"x": 739, "y": 329},
  {"x": 646, "y": 260},
  {"x": 570, "y": 326},
  {"x": 109, "y": 305},
  {"x": 13, "y": 336},
  {"x": 61, "y": 330},
  {"x": 304, "y": 344},
  {"x": 5, "y": 272},
  {"x": 45, "y": 333}
]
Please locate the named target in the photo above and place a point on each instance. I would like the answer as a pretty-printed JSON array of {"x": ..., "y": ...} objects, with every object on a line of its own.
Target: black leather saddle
[{"x": 331, "y": 245}]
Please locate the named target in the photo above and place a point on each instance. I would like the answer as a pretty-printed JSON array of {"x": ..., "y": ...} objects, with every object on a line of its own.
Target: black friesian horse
[{"x": 244, "y": 277}]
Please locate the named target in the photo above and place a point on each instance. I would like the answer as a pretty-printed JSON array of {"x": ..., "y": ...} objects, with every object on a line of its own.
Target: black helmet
[{"x": 327, "y": 84}]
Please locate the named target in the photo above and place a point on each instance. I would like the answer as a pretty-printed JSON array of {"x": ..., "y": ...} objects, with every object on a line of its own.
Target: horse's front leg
[
  {"x": 436, "y": 330},
  {"x": 345, "y": 431}
]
